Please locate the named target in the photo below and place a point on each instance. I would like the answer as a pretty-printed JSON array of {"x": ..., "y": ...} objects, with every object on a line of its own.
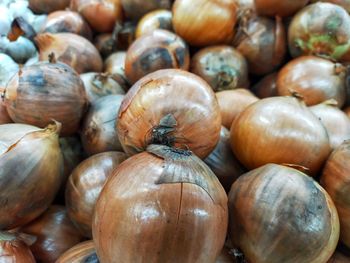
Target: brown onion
[
  {"x": 343, "y": 3},
  {"x": 48, "y": 6},
  {"x": 135, "y": 9},
  {"x": 14, "y": 249},
  {"x": 205, "y": 22},
  {"x": 31, "y": 172},
  {"x": 84, "y": 187},
  {"x": 115, "y": 65},
  {"x": 232, "y": 103},
  {"x": 45, "y": 91},
  {"x": 262, "y": 41},
  {"x": 98, "y": 132},
  {"x": 266, "y": 87},
  {"x": 68, "y": 22},
  {"x": 166, "y": 205},
  {"x": 55, "y": 234},
  {"x": 280, "y": 130},
  {"x": 279, "y": 8},
  {"x": 278, "y": 214},
  {"x": 315, "y": 79},
  {"x": 158, "y": 19},
  {"x": 149, "y": 113},
  {"x": 159, "y": 49},
  {"x": 339, "y": 257},
  {"x": 71, "y": 49},
  {"x": 222, "y": 67},
  {"x": 81, "y": 253}
]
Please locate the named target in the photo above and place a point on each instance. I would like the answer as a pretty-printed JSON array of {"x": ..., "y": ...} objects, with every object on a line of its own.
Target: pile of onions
[
  {"x": 150, "y": 114},
  {"x": 166, "y": 205},
  {"x": 266, "y": 87},
  {"x": 135, "y": 9},
  {"x": 280, "y": 130},
  {"x": 81, "y": 253},
  {"x": 278, "y": 214},
  {"x": 15, "y": 248},
  {"x": 48, "y": 6},
  {"x": 279, "y": 8},
  {"x": 158, "y": 19}
]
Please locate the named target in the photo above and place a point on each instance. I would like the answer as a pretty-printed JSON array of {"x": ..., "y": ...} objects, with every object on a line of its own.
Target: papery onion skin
[
  {"x": 48, "y": 6},
  {"x": 278, "y": 214},
  {"x": 158, "y": 19},
  {"x": 280, "y": 130},
  {"x": 315, "y": 79},
  {"x": 71, "y": 49},
  {"x": 157, "y": 50},
  {"x": 44, "y": 92},
  {"x": 98, "y": 133},
  {"x": 177, "y": 221},
  {"x": 321, "y": 29},
  {"x": 266, "y": 87},
  {"x": 135, "y": 9},
  {"x": 14, "y": 250},
  {"x": 222, "y": 67},
  {"x": 84, "y": 187},
  {"x": 279, "y": 8},
  {"x": 31, "y": 172},
  {"x": 81, "y": 253},
  {"x": 343, "y": 3},
  {"x": 194, "y": 116}
]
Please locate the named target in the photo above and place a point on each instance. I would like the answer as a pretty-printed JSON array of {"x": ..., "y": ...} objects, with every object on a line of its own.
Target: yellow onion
[
  {"x": 115, "y": 65},
  {"x": 135, "y": 9},
  {"x": 71, "y": 49},
  {"x": 84, "y": 187},
  {"x": 83, "y": 252},
  {"x": 279, "y": 8},
  {"x": 48, "y": 6},
  {"x": 278, "y": 214},
  {"x": 280, "y": 130},
  {"x": 266, "y": 87},
  {"x": 171, "y": 107},
  {"x": 163, "y": 205},
  {"x": 158, "y": 19},
  {"x": 14, "y": 248},
  {"x": 205, "y": 22},
  {"x": 31, "y": 172}
]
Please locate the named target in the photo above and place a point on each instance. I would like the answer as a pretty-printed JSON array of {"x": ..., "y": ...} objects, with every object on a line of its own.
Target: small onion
[
  {"x": 149, "y": 113},
  {"x": 135, "y": 9},
  {"x": 343, "y": 3},
  {"x": 159, "y": 49},
  {"x": 222, "y": 67},
  {"x": 166, "y": 205},
  {"x": 48, "y": 6},
  {"x": 315, "y": 79},
  {"x": 7, "y": 69},
  {"x": 279, "y": 8},
  {"x": 20, "y": 50},
  {"x": 115, "y": 65},
  {"x": 84, "y": 187},
  {"x": 13, "y": 249},
  {"x": 158, "y": 19},
  {"x": 81, "y": 253},
  {"x": 280, "y": 130},
  {"x": 278, "y": 214},
  {"x": 71, "y": 49},
  {"x": 98, "y": 133},
  {"x": 266, "y": 87},
  {"x": 55, "y": 234}
]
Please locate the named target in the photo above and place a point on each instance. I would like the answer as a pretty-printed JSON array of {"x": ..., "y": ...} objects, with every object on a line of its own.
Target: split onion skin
[
  {"x": 81, "y": 253},
  {"x": 135, "y": 9},
  {"x": 266, "y": 87},
  {"x": 315, "y": 79},
  {"x": 194, "y": 116},
  {"x": 278, "y": 214},
  {"x": 158, "y": 19},
  {"x": 84, "y": 186},
  {"x": 279, "y": 8},
  {"x": 280, "y": 130},
  {"x": 48, "y": 6}
]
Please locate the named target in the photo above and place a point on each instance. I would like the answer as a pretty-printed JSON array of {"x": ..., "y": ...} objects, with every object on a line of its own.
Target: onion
[
  {"x": 149, "y": 113},
  {"x": 135, "y": 9},
  {"x": 98, "y": 133},
  {"x": 315, "y": 79},
  {"x": 46, "y": 91},
  {"x": 266, "y": 87},
  {"x": 158, "y": 19},
  {"x": 166, "y": 205},
  {"x": 115, "y": 65},
  {"x": 321, "y": 29},
  {"x": 232, "y": 103},
  {"x": 81, "y": 253},
  {"x": 159, "y": 49},
  {"x": 222, "y": 67},
  {"x": 71, "y": 49},
  {"x": 67, "y": 21},
  {"x": 31, "y": 166},
  {"x": 262, "y": 41},
  {"x": 280, "y": 130},
  {"x": 344, "y": 3},
  {"x": 48, "y": 6},
  {"x": 84, "y": 187},
  {"x": 13, "y": 248},
  {"x": 55, "y": 234},
  {"x": 278, "y": 214},
  {"x": 205, "y": 22},
  {"x": 279, "y": 8},
  {"x": 20, "y": 50},
  {"x": 7, "y": 69}
]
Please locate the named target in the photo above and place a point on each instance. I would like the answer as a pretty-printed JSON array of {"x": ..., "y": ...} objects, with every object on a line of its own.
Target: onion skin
[
  {"x": 135, "y": 9},
  {"x": 32, "y": 156},
  {"x": 84, "y": 187},
  {"x": 98, "y": 133},
  {"x": 321, "y": 29},
  {"x": 232, "y": 103},
  {"x": 279, "y": 8},
  {"x": 266, "y": 87},
  {"x": 222, "y": 67},
  {"x": 48, "y": 6},
  {"x": 42, "y": 92},
  {"x": 205, "y": 22},
  {"x": 71, "y": 49},
  {"x": 315, "y": 79},
  {"x": 81, "y": 253},
  {"x": 150, "y": 102},
  {"x": 158, "y": 19},
  {"x": 55, "y": 234},
  {"x": 160, "y": 214},
  {"x": 280, "y": 130},
  {"x": 343, "y": 3},
  {"x": 278, "y": 214},
  {"x": 14, "y": 250},
  {"x": 157, "y": 50}
]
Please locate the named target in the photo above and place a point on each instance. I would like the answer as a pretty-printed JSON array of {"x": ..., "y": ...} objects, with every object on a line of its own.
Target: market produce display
[{"x": 175, "y": 131}]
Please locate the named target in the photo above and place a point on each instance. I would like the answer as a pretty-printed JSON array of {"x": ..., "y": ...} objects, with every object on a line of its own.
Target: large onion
[
  {"x": 166, "y": 205},
  {"x": 171, "y": 107},
  {"x": 278, "y": 7},
  {"x": 48, "y": 6},
  {"x": 278, "y": 214},
  {"x": 14, "y": 248},
  {"x": 135, "y": 9},
  {"x": 158, "y": 19},
  {"x": 81, "y": 253}
]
